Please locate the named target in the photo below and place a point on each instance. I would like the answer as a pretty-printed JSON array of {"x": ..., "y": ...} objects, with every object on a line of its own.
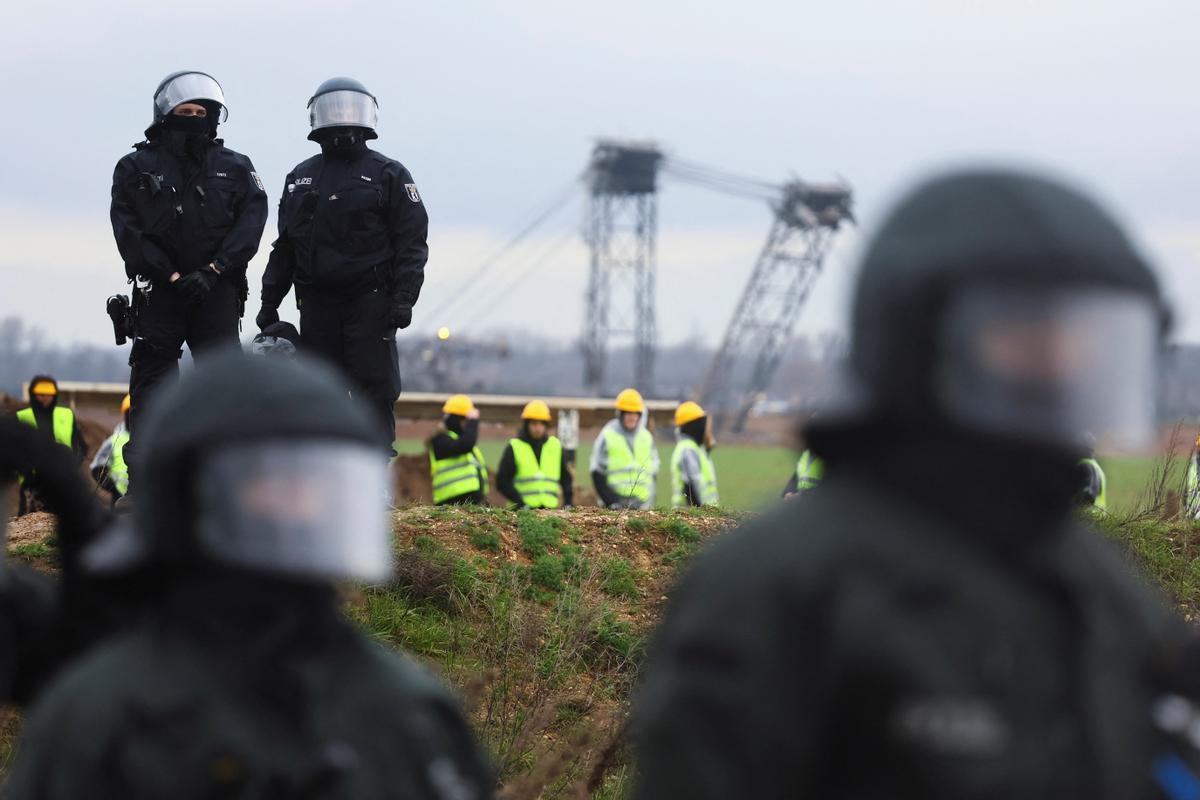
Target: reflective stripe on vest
[
  {"x": 1101, "y": 501},
  {"x": 536, "y": 479},
  {"x": 63, "y": 423},
  {"x": 118, "y": 472},
  {"x": 809, "y": 471},
  {"x": 457, "y": 475},
  {"x": 708, "y": 475},
  {"x": 629, "y": 473}
]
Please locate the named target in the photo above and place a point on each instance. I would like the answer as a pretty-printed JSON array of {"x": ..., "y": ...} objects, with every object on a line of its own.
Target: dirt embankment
[{"x": 539, "y": 620}]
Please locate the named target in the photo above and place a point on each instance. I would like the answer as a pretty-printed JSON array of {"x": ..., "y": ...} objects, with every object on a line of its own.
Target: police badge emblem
[{"x": 413, "y": 195}]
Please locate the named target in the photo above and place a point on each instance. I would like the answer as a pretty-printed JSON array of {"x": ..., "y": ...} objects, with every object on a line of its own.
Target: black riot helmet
[
  {"x": 1008, "y": 304},
  {"x": 343, "y": 103},
  {"x": 189, "y": 86},
  {"x": 259, "y": 464}
]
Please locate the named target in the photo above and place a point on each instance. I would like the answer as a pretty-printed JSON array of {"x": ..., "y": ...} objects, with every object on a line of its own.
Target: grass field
[
  {"x": 751, "y": 477},
  {"x": 748, "y": 477}
]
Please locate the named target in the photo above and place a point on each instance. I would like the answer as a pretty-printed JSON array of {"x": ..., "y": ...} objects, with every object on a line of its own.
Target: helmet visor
[
  {"x": 311, "y": 508},
  {"x": 190, "y": 87},
  {"x": 1053, "y": 364},
  {"x": 343, "y": 108}
]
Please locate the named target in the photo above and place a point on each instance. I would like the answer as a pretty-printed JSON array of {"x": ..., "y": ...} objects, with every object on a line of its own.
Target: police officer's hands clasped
[
  {"x": 266, "y": 317},
  {"x": 196, "y": 285}
]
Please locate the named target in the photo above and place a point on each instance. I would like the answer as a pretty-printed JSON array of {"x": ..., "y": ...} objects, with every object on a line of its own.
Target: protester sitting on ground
[
  {"x": 456, "y": 465},
  {"x": 108, "y": 465},
  {"x": 54, "y": 423},
  {"x": 624, "y": 463},
  {"x": 531, "y": 472}
]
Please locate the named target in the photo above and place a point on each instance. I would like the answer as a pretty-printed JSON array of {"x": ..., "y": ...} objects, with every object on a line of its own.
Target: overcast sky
[{"x": 494, "y": 107}]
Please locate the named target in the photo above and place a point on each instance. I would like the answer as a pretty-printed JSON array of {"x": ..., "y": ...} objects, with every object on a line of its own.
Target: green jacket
[{"x": 199, "y": 703}]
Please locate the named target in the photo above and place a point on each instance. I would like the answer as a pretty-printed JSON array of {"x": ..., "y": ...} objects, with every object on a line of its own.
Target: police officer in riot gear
[
  {"x": 187, "y": 213},
  {"x": 261, "y": 492},
  {"x": 935, "y": 622},
  {"x": 352, "y": 230},
  {"x": 46, "y": 622}
]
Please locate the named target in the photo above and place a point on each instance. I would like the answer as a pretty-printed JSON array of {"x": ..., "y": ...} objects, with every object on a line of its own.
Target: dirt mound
[{"x": 539, "y": 620}]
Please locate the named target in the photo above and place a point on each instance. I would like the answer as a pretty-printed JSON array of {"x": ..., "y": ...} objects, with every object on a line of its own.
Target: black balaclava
[
  {"x": 454, "y": 422},
  {"x": 189, "y": 137},
  {"x": 695, "y": 429},
  {"x": 342, "y": 142},
  {"x": 952, "y": 234}
]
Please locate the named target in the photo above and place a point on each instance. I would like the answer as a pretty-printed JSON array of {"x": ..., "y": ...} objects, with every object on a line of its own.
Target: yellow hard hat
[
  {"x": 459, "y": 404},
  {"x": 537, "y": 410},
  {"x": 688, "y": 411},
  {"x": 125, "y": 403},
  {"x": 631, "y": 400},
  {"x": 45, "y": 387}
]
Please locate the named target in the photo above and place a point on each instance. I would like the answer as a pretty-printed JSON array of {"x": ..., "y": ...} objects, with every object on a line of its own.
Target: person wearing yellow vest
[
  {"x": 531, "y": 472},
  {"x": 456, "y": 465},
  {"x": 108, "y": 465},
  {"x": 624, "y": 463},
  {"x": 693, "y": 477},
  {"x": 53, "y": 423},
  {"x": 1191, "y": 485},
  {"x": 810, "y": 469}
]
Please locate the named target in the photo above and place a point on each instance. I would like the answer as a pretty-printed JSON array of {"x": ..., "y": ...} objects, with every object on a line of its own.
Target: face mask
[
  {"x": 189, "y": 125},
  {"x": 341, "y": 140}
]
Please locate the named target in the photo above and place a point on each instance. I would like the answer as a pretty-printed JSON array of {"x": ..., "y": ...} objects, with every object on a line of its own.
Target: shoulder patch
[
  {"x": 257, "y": 181},
  {"x": 413, "y": 194}
]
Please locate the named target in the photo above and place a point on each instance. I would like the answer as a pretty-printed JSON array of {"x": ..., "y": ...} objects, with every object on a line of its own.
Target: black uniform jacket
[
  {"x": 238, "y": 689},
  {"x": 172, "y": 214},
  {"x": 849, "y": 645},
  {"x": 348, "y": 224}
]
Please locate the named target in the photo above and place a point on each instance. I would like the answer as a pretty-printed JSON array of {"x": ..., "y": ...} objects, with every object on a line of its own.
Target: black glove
[
  {"x": 400, "y": 315},
  {"x": 196, "y": 285},
  {"x": 266, "y": 317}
]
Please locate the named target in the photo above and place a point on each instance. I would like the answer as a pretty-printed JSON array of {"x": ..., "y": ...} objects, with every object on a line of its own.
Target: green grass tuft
[{"x": 618, "y": 579}]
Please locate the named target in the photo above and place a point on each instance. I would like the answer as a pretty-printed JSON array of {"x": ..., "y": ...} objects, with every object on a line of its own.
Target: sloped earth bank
[{"x": 540, "y": 621}]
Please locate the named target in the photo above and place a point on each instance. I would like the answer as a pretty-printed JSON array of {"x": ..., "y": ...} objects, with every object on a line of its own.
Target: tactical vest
[
  {"x": 708, "y": 475},
  {"x": 629, "y": 473},
  {"x": 536, "y": 478},
  {"x": 457, "y": 475}
]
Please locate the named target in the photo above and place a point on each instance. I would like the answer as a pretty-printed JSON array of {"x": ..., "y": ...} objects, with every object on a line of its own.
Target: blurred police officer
[
  {"x": 352, "y": 231},
  {"x": 45, "y": 622},
  {"x": 935, "y": 622},
  {"x": 188, "y": 214},
  {"x": 262, "y": 490}
]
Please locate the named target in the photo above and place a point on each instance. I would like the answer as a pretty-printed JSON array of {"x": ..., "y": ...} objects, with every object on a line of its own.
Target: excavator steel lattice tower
[
  {"x": 621, "y": 227},
  {"x": 806, "y": 218}
]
